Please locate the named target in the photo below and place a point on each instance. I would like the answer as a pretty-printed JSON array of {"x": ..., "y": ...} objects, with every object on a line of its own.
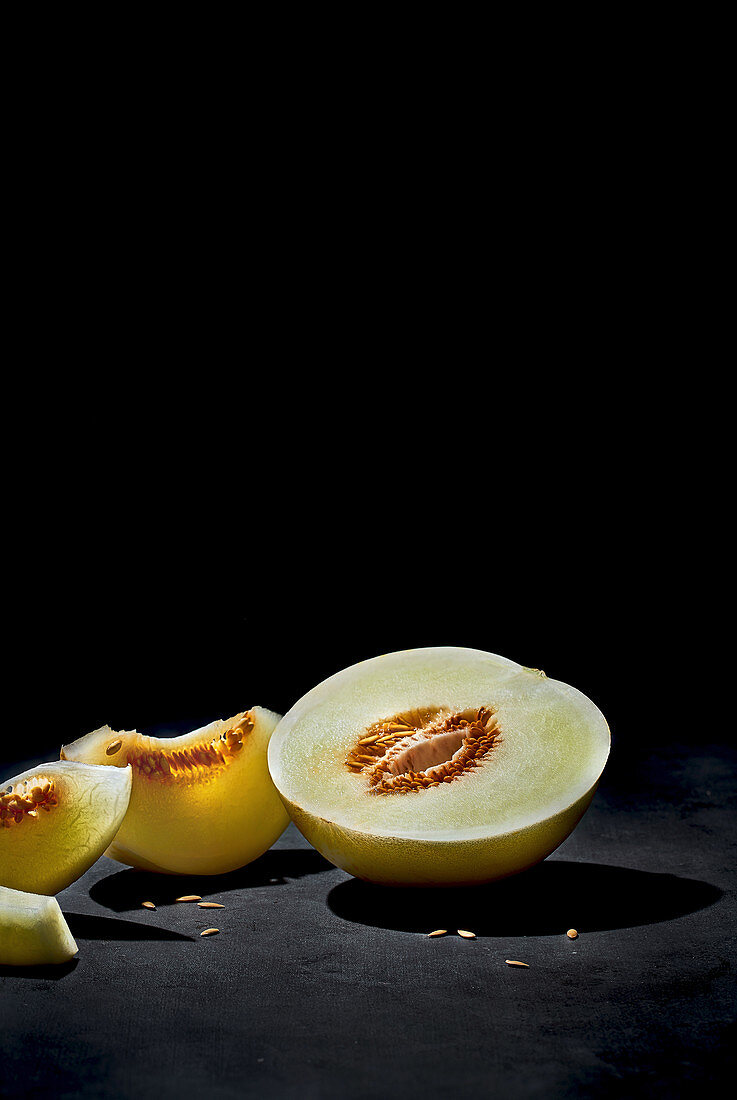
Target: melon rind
[
  {"x": 33, "y": 931},
  {"x": 497, "y": 820},
  {"x": 45, "y": 854},
  {"x": 206, "y": 823}
]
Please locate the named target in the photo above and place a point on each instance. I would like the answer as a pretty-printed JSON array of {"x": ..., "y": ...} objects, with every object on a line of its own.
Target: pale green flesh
[
  {"x": 553, "y": 746},
  {"x": 33, "y": 931}
]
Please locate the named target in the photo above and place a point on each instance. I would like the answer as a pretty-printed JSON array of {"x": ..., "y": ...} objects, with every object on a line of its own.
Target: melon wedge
[
  {"x": 440, "y": 766},
  {"x": 33, "y": 931},
  {"x": 56, "y": 820},
  {"x": 202, "y": 803}
]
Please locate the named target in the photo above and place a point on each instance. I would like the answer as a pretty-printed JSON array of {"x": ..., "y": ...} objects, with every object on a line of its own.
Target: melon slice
[
  {"x": 33, "y": 931},
  {"x": 56, "y": 820},
  {"x": 438, "y": 766},
  {"x": 203, "y": 803}
]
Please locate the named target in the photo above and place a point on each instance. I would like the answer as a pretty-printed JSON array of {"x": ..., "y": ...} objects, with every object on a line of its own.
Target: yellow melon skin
[
  {"x": 59, "y": 838},
  {"x": 33, "y": 931},
  {"x": 194, "y": 809},
  {"x": 401, "y": 861}
]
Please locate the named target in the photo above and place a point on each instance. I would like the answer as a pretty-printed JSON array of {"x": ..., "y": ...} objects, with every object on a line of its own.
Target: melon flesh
[
  {"x": 202, "y": 803},
  {"x": 33, "y": 931},
  {"x": 56, "y": 820},
  {"x": 494, "y": 820}
]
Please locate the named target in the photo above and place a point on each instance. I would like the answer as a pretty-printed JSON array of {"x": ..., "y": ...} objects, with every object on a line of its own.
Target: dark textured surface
[{"x": 322, "y": 986}]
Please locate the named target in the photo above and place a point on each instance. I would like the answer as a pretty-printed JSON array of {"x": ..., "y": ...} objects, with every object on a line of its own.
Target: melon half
[
  {"x": 202, "y": 803},
  {"x": 442, "y": 766}
]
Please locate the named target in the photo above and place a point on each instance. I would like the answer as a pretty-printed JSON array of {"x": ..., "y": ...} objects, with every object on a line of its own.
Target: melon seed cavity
[
  {"x": 184, "y": 763},
  {"x": 25, "y": 799},
  {"x": 423, "y": 748}
]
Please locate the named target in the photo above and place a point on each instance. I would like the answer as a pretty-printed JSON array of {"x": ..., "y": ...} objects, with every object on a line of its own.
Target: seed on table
[
  {"x": 438, "y": 932},
  {"x": 148, "y": 905},
  {"x": 572, "y": 933},
  {"x": 210, "y": 932},
  {"x": 189, "y": 897},
  {"x": 210, "y": 905},
  {"x": 466, "y": 935},
  {"x": 515, "y": 962}
]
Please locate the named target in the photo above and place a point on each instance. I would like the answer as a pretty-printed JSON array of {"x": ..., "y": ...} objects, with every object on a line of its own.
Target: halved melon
[
  {"x": 56, "y": 820},
  {"x": 438, "y": 766},
  {"x": 202, "y": 803},
  {"x": 33, "y": 931}
]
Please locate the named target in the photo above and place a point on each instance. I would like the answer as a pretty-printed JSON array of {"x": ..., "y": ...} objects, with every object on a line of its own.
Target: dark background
[
  {"x": 184, "y": 554},
  {"x": 154, "y": 618},
  {"x": 243, "y": 559}
]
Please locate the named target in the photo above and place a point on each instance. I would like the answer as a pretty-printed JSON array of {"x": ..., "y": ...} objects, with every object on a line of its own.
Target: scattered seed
[
  {"x": 572, "y": 933},
  {"x": 189, "y": 897},
  {"x": 466, "y": 935},
  {"x": 113, "y": 747},
  {"x": 148, "y": 905},
  {"x": 438, "y": 932},
  {"x": 210, "y": 932},
  {"x": 515, "y": 962},
  {"x": 210, "y": 905}
]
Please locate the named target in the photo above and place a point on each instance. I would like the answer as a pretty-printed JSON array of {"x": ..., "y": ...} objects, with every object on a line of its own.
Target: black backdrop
[
  {"x": 172, "y": 563},
  {"x": 137, "y": 637}
]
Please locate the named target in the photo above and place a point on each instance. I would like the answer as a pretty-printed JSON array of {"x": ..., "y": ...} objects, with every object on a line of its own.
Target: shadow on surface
[
  {"x": 123, "y": 891},
  {"x": 85, "y": 927},
  {"x": 45, "y": 972},
  {"x": 543, "y": 901}
]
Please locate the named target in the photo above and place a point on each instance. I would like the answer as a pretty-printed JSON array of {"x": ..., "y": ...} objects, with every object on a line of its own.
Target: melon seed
[
  {"x": 571, "y": 933},
  {"x": 189, "y": 897},
  {"x": 210, "y": 905},
  {"x": 210, "y": 932},
  {"x": 514, "y": 962},
  {"x": 466, "y": 935},
  {"x": 438, "y": 932},
  {"x": 148, "y": 905}
]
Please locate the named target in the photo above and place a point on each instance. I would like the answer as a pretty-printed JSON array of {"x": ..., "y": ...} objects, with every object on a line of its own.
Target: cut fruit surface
[
  {"x": 438, "y": 766},
  {"x": 56, "y": 820},
  {"x": 33, "y": 931},
  {"x": 202, "y": 803}
]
